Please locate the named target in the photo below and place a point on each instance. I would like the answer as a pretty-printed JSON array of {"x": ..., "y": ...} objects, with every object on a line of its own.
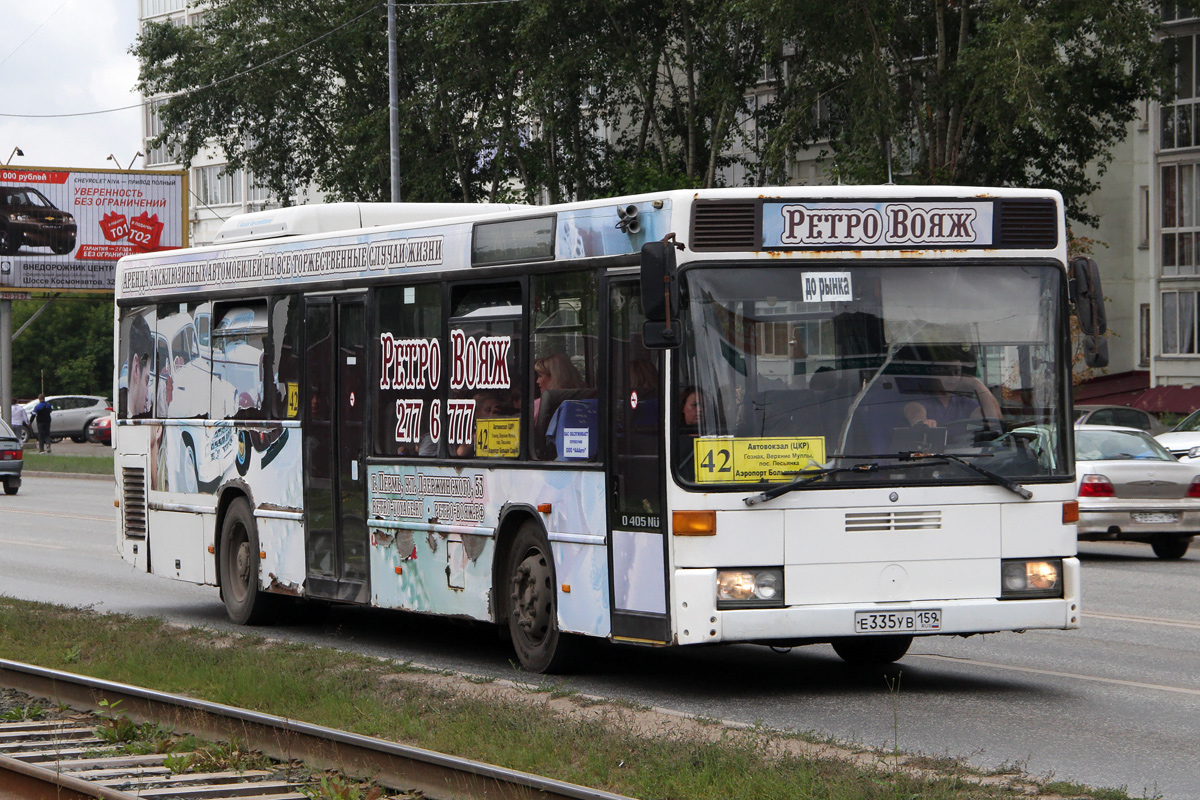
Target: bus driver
[{"x": 956, "y": 396}]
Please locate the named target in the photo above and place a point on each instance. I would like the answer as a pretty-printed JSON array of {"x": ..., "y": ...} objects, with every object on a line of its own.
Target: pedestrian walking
[
  {"x": 41, "y": 413},
  {"x": 19, "y": 418}
]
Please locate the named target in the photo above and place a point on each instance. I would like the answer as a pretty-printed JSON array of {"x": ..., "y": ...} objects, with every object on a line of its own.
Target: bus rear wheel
[
  {"x": 533, "y": 603},
  {"x": 245, "y": 602},
  {"x": 872, "y": 651}
]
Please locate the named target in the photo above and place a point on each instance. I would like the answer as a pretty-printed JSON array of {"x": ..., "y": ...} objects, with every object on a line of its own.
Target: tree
[
  {"x": 521, "y": 101},
  {"x": 67, "y": 350},
  {"x": 291, "y": 110},
  {"x": 987, "y": 92},
  {"x": 505, "y": 101}
]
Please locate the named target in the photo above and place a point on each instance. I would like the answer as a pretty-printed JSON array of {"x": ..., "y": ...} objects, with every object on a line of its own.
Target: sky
[{"x": 67, "y": 57}]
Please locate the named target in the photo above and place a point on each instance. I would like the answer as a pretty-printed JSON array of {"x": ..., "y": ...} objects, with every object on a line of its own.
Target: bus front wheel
[
  {"x": 533, "y": 603},
  {"x": 872, "y": 651},
  {"x": 245, "y": 602}
]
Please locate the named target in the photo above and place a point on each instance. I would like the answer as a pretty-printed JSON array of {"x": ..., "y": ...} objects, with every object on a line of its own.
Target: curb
[{"x": 83, "y": 476}]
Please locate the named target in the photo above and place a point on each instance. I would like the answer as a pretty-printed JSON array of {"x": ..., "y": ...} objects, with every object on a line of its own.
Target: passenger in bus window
[
  {"x": 555, "y": 371},
  {"x": 141, "y": 373},
  {"x": 689, "y": 410},
  {"x": 557, "y": 380},
  {"x": 487, "y": 405},
  {"x": 688, "y": 428},
  {"x": 643, "y": 375}
]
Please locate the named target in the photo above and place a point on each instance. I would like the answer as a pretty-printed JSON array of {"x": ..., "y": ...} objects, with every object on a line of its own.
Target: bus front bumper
[{"x": 699, "y": 621}]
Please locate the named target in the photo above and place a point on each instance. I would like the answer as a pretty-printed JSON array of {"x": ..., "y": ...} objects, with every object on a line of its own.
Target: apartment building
[
  {"x": 216, "y": 192},
  {"x": 1148, "y": 244}
]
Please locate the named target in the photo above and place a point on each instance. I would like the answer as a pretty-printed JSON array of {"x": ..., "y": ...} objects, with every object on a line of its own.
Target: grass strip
[
  {"x": 373, "y": 697},
  {"x": 89, "y": 465}
]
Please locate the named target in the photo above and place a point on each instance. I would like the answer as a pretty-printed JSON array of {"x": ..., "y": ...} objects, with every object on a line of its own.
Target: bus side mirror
[
  {"x": 1089, "y": 309},
  {"x": 660, "y": 296}
]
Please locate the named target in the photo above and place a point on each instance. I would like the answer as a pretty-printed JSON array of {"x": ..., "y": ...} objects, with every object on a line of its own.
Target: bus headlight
[
  {"x": 739, "y": 588},
  {"x": 1020, "y": 578}
]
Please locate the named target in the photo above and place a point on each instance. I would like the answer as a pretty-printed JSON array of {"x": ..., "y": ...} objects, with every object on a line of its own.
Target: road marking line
[
  {"x": 113, "y": 518},
  {"x": 35, "y": 544},
  {"x": 1176, "y": 623},
  {"x": 1055, "y": 674}
]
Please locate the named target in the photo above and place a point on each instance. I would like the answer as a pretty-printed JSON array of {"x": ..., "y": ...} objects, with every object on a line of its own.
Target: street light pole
[
  {"x": 113, "y": 159},
  {"x": 6, "y": 395},
  {"x": 393, "y": 102}
]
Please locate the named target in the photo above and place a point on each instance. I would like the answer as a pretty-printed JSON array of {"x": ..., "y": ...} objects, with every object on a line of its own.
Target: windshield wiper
[
  {"x": 992, "y": 477},
  {"x": 812, "y": 475}
]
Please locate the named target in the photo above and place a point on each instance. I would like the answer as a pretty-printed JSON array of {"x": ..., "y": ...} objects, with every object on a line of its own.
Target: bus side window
[
  {"x": 183, "y": 367},
  {"x": 285, "y": 356},
  {"x": 565, "y": 315},
  {"x": 136, "y": 385},
  {"x": 239, "y": 344},
  {"x": 483, "y": 411},
  {"x": 410, "y": 356}
]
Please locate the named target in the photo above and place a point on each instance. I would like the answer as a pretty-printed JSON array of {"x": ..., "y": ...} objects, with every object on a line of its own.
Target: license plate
[
  {"x": 929, "y": 619},
  {"x": 1156, "y": 516}
]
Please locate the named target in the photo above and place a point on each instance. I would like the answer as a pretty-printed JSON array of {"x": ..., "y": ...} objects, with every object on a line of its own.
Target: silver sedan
[{"x": 1131, "y": 488}]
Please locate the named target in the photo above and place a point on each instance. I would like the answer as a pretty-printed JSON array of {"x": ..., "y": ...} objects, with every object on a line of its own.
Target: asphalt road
[{"x": 1116, "y": 704}]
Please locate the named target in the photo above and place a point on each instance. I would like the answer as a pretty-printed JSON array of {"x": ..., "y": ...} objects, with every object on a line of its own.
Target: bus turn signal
[{"x": 694, "y": 523}]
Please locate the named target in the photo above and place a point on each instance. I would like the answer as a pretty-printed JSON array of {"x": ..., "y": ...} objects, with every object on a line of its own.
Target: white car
[
  {"x": 1131, "y": 489},
  {"x": 71, "y": 414},
  {"x": 1184, "y": 439}
]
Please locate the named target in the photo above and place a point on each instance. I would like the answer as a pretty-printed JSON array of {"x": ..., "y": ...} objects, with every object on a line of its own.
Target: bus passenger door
[
  {"x": 334, "y": 445},
  {"x": 637, "y": 548}
]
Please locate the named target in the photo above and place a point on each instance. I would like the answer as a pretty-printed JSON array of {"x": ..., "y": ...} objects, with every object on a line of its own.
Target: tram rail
[{"x": 399, "y": 767}]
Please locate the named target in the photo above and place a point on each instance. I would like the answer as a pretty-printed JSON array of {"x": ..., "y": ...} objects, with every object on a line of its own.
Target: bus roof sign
[{"x": 884, "y": 224}]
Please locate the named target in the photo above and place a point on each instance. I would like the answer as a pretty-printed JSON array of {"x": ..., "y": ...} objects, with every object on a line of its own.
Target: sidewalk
[{"x": 68, "y": 448}]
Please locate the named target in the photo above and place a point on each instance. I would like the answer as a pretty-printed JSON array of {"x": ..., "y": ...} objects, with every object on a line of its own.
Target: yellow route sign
[
  {"x": 770, "y": 459},
  {"x": 498, "y": 437}
]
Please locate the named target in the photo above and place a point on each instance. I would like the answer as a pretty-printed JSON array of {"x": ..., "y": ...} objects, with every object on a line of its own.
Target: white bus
[{"x": 777, "y": 416}]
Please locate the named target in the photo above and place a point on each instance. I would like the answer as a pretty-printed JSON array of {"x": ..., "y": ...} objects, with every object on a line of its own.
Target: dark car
[
  {"x": 1122, "y": 416},
  {"x": 100, "y": 430},
  {"x": 28, "y": 219},
  {"x": 12, "y": 458}
]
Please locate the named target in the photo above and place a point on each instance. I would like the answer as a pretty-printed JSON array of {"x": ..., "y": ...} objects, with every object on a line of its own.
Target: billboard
[{"x": 63, "y": 229}]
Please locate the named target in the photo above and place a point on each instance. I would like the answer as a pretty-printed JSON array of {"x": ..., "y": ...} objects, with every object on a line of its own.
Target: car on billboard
[{"x": 28, "y": 219}]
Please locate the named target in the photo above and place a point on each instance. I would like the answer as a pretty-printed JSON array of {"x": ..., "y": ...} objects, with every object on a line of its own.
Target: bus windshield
[{"x": 831, "y": 375}]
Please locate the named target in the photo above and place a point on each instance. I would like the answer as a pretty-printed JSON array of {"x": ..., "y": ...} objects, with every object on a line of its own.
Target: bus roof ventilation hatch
[
  {"x": 1027, "y": 224},
  {"x": 332, "y": 217},
  {"x": 725, "y": 225}
]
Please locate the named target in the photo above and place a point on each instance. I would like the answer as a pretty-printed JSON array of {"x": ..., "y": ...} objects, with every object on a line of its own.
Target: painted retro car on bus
[{"x": 237, "y": 353}]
